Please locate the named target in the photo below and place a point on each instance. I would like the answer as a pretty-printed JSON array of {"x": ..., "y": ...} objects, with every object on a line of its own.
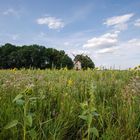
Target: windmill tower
[{"x": 77, "y": 64}]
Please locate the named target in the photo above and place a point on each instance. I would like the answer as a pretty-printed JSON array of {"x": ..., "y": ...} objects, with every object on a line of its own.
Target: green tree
[
  {"x": 5, "y": 55},
  {"x": 57, "y": 59},
  {"x": 85, "y": 60},
  {"x": 33, "y": 56},
  {"x": 66, "y": 61}
]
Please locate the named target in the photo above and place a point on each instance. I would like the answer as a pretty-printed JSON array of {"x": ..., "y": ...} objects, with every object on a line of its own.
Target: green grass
[{"x": 68, "y": 105}]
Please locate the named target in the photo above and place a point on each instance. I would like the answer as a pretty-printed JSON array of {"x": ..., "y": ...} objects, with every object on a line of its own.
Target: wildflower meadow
[{"x": 69, "y": 105}]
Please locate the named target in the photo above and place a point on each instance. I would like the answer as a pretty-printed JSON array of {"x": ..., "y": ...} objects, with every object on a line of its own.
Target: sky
[{"x": 108, "y": 31}]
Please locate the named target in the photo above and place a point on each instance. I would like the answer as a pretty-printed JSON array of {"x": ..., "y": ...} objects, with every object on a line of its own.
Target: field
[{"x": 69, "y": 105}]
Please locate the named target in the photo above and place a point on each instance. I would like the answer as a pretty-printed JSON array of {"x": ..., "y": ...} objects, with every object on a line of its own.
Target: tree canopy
[
  {"x": 86, "y": 61},
  {"x": 36, "y": 56},
  {"x": 33, "y": 56}
]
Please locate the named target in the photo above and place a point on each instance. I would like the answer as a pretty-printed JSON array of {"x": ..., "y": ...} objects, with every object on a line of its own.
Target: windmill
[{"x": 77, "y": 63}]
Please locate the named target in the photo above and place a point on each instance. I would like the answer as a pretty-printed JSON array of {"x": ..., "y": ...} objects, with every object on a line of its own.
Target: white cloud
[
  {"x": 105, "y": 41},
  {"x": 126, "y": 54},
  {"x": 84, "y": 52},
  {"x": 137, "y": 23},
  {"x": 132, "y": 45},
  {"x": 52, "y": 22},
  {"x": 118, "y": 19},
  {"x": 73, "y": 52},
  {"x": 11, "y": 11},
  {"x": 134, "y": 42},
  {"x": 119, "y": 22},
  {"x": 107, "y": 50}
]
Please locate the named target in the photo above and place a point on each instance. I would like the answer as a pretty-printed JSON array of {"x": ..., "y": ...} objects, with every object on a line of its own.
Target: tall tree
[
  {"x": 34, "y": 56},
  {"x": 6, "y": 51}
]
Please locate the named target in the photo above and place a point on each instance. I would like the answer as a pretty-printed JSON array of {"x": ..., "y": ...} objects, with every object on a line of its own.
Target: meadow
[{"x": 69, "y": 105}]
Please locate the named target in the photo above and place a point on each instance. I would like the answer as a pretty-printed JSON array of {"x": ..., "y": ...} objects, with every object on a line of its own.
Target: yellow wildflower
[{"x": 70, "y": 82}]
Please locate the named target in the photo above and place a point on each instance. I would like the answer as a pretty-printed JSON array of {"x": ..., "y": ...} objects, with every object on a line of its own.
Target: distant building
[{"x": 77, "y": 65}]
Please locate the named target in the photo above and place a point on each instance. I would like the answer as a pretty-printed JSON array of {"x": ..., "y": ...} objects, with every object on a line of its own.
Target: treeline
[
  {"x": 33, "y": 56},
  {"x": 36, "y": 56}
]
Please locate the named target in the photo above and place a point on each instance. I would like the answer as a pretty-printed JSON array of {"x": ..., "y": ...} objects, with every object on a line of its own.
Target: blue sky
[{"x": 106, "y": 30}]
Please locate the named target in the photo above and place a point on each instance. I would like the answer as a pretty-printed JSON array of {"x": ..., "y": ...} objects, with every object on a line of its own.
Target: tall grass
[{"x": 68, "y": 105}]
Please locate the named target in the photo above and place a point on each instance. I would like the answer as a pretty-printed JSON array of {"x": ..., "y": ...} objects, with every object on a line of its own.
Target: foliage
[
  {"x": 86, "y": 61},
  {"x": 33, "y": 56},
  {"x": 68, "y": 105}
]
